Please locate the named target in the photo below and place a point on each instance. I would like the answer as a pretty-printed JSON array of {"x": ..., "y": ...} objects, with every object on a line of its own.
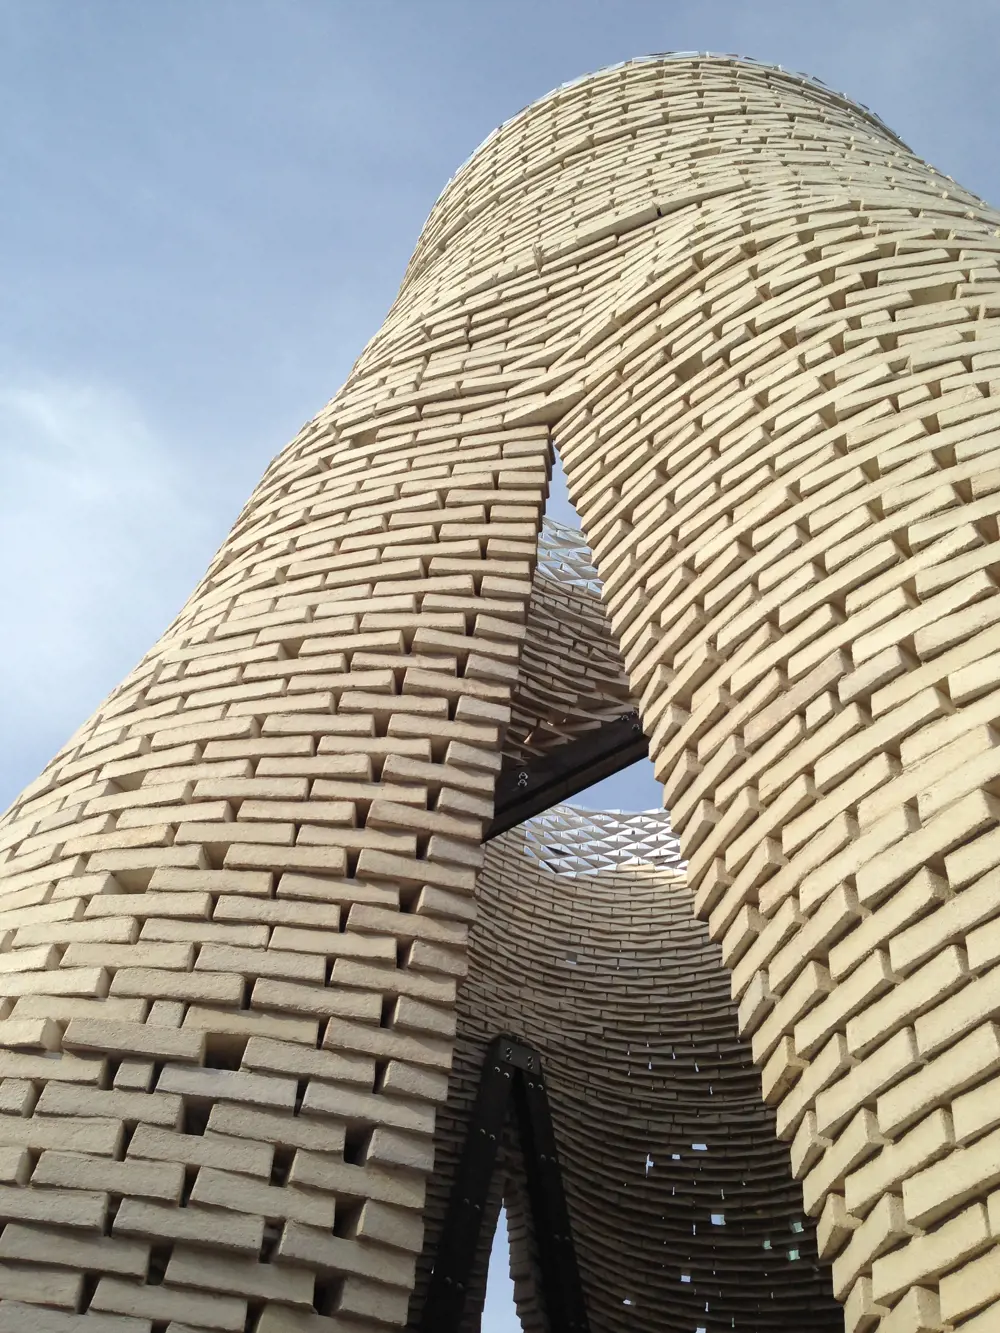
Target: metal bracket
[
  {"x": 526, "y": 789},
  {"x": 512, "y": 1077}
]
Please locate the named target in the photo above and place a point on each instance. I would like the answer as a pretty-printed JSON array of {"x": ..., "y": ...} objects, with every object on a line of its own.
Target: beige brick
[
  {"x": 231, "y": 1028},
  {"x": 161, "y": 1303},
  {"x": 74, "y": 1250},
  {"x": 860, "y": 1309},
  {"x": 334, "y": 944},
  {"x": 165, "y": 1014},
  {"x": 386, "y": 865},
  {"x": 234, "y": 1154},
  {"x": 395, "y": 1148},
  {"x": 805, "y": 993},
  {"x": 927, "y": 1257},
  {"x": 189, "y": 906},
  {"x": 918, "y": 1312},
  {"x": 279, "y": 1319},
  {"x": 91, "y": 1034},
  {"x": 407, "y": 1081},
  {"x": 227, "y": 1085},
  {"x": 86, "y": 1209},
  {"x": 259, "y": 883},
  {"x": 975, "y": 1112},
  {"x": 948, "y": 1184},
  {"x": 189, "y": 1267},
  {"x": 134, "y": 1075},
  {"x": 855, "y": 1143},
  {"x": 926, "y": 1142},
  {"x": 151, "y": 983},
  {"x": 161, "y": 1222},
  {"x": 15, "y": 1166},
  {"x": 322, "y": 1002},
  {"x": 949, "y": 923},
  {"x": 221, "y": 1189},
  {"x": 309, "y": 915},
  {"x": 983, "y": 946},
  {"x": 881, "y": 1230},
  {"x": 371, "y": 1300},
  {"x": 907, "y": 999},
  {"x": 308, "y": 1245},
  {"x": 254, "y": 963},
  {"x": 17, "y": 1096},
  {"x": 881, "y": 1069},
  {"x": 973, "y": 1286},
  {"x": 64, "y": 1099},
  {"x": 41, "y": 1286},
  {"x": 854, "y": 994},
  {"x": 281, "y": 1058},
  {"x": 814, "y": 939},
  {"x": 207, "y": 932},
  {"x": 354, "y": 1107},
  {"x": 75, "y": 1171},
  {"x": 951, "y": 827},
  {"x": 134, "y": 868},
  {"x": 271, "y": 1127},
  {"x": 341, "y": 1035},
  {"x": 15, "y": 1317},
  {"x": 88, "y": 1134},
  {"x": 29, "y": 1033},
  {"x": 109, "y": 930},
  {"x": 69, "y": 981},
  {"x": 312, "y": 889},
  {"x": 64, "y": 1008},
  {"x": 827, "y": 1066},
  {"x": 834, "y": 1228},
  {"x": 318, "y": 1170},
  {"x": 324, "y": 860},
  {"x": 964, "y": 1064},
  {"x": 412, "y": 1015},
  {"x": 973, "y": 859}
]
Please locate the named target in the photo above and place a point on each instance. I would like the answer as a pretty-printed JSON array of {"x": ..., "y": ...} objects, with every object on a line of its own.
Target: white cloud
[{"x": 101, "y": 538}]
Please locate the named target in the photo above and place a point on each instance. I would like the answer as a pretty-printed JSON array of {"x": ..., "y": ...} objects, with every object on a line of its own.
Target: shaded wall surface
[
  {"x": 571, "y": 676},
  {"x": 683, "y": 1209},
  {"x": 764, "y": 337}
]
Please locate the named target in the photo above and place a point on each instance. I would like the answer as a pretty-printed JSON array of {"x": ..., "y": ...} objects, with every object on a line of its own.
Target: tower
[{"x": 763, "y": 337}]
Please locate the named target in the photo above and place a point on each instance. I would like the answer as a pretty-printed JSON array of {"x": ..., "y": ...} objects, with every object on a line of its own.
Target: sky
[{"x": 207, "y": 212}]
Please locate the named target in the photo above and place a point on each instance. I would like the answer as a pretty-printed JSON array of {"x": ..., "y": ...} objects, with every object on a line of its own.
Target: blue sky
[{"x": 207, "y": 211}]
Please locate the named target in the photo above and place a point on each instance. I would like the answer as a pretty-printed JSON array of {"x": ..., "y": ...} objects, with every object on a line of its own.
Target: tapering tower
[{"x": 765, "y": 340}]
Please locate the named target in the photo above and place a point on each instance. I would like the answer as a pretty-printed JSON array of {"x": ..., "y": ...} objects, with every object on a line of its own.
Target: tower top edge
[
  {"x": 696, "y": 58},
  {"x": 447, "y": 214}
]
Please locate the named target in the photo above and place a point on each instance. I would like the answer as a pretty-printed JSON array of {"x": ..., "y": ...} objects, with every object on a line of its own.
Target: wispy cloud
[{"x": 100, "y": 531}]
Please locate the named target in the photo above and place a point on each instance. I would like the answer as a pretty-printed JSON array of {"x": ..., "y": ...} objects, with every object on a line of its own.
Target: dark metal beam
[
  {"x": 512, "y": 1075},
  {"x": 526, "y": 789}
]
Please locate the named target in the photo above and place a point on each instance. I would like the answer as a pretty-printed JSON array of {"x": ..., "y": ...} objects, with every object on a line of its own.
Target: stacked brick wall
[
  {"x": 765, "y": 338},
  {"x": 235, "y": 905},
  {"x": 683, "y": 1208}
]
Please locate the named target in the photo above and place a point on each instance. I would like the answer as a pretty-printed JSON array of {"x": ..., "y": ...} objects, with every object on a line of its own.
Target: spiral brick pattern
[{"x": 765, "y": 339}]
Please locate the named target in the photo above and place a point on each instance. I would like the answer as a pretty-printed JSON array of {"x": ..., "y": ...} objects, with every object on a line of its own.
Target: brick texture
[{"x": 764, "y": 337}]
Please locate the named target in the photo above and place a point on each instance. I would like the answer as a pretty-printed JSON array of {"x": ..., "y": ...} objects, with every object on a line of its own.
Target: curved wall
[
  {"x": 683, "y": 1210},
  {"x": 571, "y": 676},
  {"x": 765, "y": 339},
  {"x": 782, "y": 443}
]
